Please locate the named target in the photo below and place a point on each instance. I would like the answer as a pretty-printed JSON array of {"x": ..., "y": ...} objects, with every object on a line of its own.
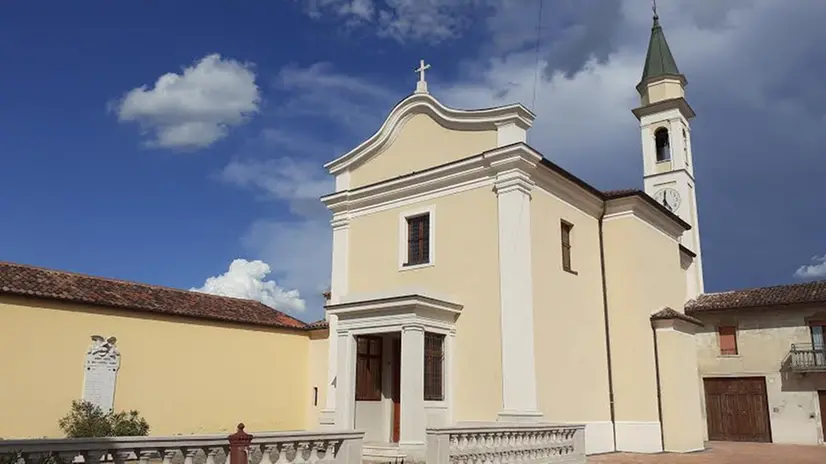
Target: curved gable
[{"x": 420, "y": 133}]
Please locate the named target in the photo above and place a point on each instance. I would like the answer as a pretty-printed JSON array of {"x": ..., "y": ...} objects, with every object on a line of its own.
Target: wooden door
[
  {"x": 737, "y": 409},
  {"x": 822, "y": 396},
  {"x": 397, "y": 397}
]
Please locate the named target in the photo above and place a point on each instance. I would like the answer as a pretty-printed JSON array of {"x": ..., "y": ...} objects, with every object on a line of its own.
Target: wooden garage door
[{"x": 737, "y": 409}]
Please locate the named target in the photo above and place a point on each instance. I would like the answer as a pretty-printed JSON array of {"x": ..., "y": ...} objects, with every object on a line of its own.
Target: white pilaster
[
  {"x": 509, "y": 133},
  {"x": 449, "y": 370},
  {"x": 341, "y": 254},
  {"x": 346, "y": 381},
  {"x": 413, "y": 420},
  {"x": 338, "y": 288},
  {"x": 519, "y": 403},
  {"x": 327, "y": 415}
]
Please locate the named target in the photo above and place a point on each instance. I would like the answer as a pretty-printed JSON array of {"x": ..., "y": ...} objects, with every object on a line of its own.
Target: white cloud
[
  {"x": 245, "y": 279},
  {"x": 430, "y": 21},
  {"x": 301, "y": 251},
  {"x": 300, "y": 183},
  {"x": 816, "y": 270},
  {"x": 196, "y": 108}
]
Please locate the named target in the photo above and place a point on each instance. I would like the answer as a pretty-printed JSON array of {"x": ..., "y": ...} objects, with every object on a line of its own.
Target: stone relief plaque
[{"x": 102, "y": 364}]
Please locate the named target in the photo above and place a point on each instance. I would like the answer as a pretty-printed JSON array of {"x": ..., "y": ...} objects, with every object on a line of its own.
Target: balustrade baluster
[
  {"x": 167, "y": 455},
  {"x": 283, "y": 450},
  {"x": 330, "y": 453},
  {"x": 266, "y": 453},
  {"x": 210, "y": 454},
  {"x": 143, "y": 456}
]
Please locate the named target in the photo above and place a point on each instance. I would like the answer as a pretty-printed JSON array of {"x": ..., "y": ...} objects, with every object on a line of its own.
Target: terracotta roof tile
[
  {"x": 24, "y": 280},
  {"x": 668, "y": 313},
  {"x": 778, "y": 295},
  {"x": 611, "y": 194},
  {"x": 322, "y": 324}
]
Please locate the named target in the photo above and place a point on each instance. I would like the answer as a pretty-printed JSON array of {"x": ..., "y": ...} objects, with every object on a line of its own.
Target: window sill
[
  {"x": 435, "y": 404},
  {"x": 664, "y": 161},
  {"x": 728, "y": 355},
  {"x": 411, "y": 267},
  {"x": 570, "y": 271}
]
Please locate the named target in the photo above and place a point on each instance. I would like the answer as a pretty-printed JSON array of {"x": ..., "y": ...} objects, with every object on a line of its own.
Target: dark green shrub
[{"x": 87, "y": 420}]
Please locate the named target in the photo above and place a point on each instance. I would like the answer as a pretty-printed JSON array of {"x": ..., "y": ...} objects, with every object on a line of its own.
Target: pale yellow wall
[
  {"x": 643, "y": 275},
  {"x": 318, "y": 346},
  {"x": 571, "y": 362},
  {"x": 681, "y": 405},
  {"x": 764, "y": 337},
  {"x": 184, "y": 376},
  {"x": 419, "y": 144},
  {"x": 466, "y": 269},
  {"x": 665, "y": 89}
]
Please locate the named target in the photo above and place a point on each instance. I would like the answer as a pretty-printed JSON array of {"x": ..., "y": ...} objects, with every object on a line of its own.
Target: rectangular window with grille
[
  {"x": 434, "y": 355},
  {"x": 728, "y": 340},
  {"x": 368, "y": 368},
  {"x": 418, "y": 240},
  {"x": 566, "y": 245}
]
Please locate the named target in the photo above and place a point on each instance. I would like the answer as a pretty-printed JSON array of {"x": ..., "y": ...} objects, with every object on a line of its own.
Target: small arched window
[{"x": 662, "y": 145}]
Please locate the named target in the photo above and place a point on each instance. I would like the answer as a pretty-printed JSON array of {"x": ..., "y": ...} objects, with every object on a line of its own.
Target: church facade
[{"x": 473, "y": 279}]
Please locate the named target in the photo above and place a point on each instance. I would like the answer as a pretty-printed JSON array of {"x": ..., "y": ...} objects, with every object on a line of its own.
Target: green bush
[{"x": 87, "y": 420}]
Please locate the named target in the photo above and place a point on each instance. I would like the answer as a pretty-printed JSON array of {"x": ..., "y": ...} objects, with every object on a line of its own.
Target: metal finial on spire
[{"x": 654, "y": 9}]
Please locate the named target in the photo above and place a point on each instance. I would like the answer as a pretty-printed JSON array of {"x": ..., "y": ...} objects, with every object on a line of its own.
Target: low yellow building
[{"x": 188, "y": 362}]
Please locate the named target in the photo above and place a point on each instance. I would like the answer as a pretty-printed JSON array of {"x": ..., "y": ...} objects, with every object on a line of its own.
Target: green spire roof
[{"x": 658, "y": 61}]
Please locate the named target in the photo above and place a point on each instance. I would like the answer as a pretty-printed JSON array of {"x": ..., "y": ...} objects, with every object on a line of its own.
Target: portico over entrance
[{"x": 394, "y": 372}]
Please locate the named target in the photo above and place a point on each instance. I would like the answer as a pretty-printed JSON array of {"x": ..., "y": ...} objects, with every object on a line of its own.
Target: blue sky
[{"x": 109, "y": 171}]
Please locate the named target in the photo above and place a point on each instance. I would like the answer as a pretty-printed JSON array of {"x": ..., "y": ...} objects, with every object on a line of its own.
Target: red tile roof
[
  {"x": 668, "y": 313},
  {"x": 322, "y": 324},
  {"x": 31, "y": 281},
  {"x": 778, "y": 295},
  {"x": 615, "y": 194}
]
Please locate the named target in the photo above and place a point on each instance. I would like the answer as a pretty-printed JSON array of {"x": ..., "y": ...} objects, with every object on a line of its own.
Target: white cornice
[
  {"x": 556, "y": 184},
  {"x": 638, "y": 207},
  {"x": 397, "y": 310},
  {"x": 489, "y": 118},
  {"x": 469, "y": 172}
]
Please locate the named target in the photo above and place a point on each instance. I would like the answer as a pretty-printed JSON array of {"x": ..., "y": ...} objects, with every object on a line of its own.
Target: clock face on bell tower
[{"x": 669, "y": 198}]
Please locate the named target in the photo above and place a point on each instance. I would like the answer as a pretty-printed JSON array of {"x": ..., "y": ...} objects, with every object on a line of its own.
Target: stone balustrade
[
  {"x": 498, "y": 442},
  {"x": 300, "y": 447}
]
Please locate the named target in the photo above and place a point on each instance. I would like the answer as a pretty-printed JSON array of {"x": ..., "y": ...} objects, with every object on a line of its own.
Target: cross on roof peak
[{"x": 421, "y": 85}]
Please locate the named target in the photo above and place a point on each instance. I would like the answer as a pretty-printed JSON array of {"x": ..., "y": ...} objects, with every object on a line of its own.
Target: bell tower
[{"x": 668, "y": 164}]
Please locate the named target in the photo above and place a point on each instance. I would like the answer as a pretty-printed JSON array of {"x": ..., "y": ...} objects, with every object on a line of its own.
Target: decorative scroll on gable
[{"x": 421, "y": 133}]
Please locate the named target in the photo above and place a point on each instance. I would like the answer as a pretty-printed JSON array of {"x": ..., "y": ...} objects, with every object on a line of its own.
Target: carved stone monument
[{"x": 102, "y": 364}]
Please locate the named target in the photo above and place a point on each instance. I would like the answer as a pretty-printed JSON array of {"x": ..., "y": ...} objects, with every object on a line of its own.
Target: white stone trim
[
  {"x": 510, "y": 132},
  {"x": 411, "y": 315},
  {"x": 639, "y": 437},
  {"x": 430, "y": 211},
  {"x": 414, "y": 418},
  {"x": 423, "y": 103},
  {"x": 675, "y": 325},
  {"x": 343, "y": 181},
  {"x": 484, "y": 165},
  {"x": 558, "y": 185},
  {"x": 599, "y": 436},
  {"x": 649, "y": 214},
  {"x": 519, "y": 402}
]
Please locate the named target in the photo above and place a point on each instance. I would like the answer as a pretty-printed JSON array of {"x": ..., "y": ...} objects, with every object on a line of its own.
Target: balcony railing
[
  {"x": 806, "y": 357},
  {"x": 299, "y": 447},
  {"x": 501, "y": 443}
]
